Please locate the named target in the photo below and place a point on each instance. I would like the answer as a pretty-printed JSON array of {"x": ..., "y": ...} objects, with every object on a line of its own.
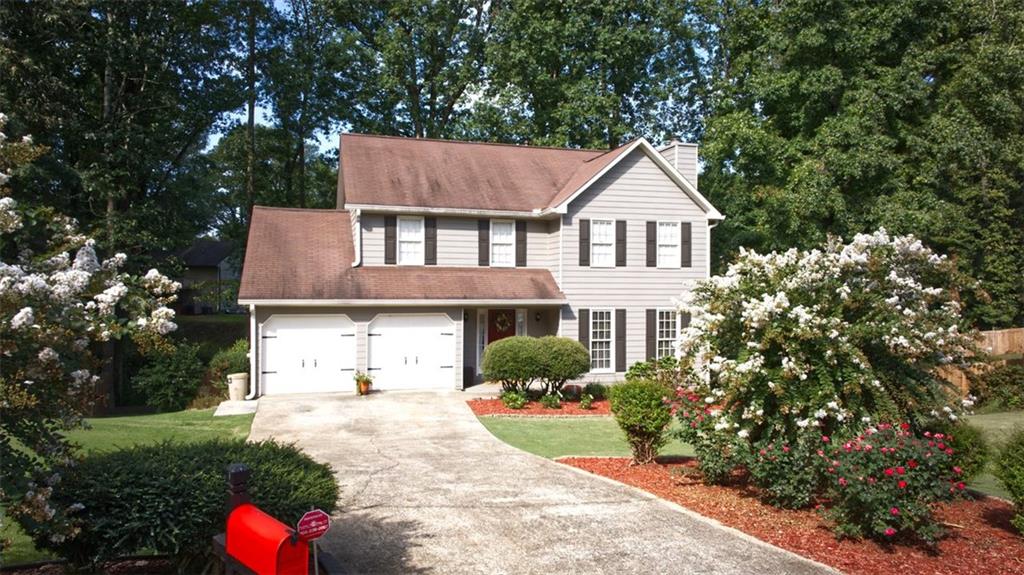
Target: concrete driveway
[{"x": 426, "y": 489}]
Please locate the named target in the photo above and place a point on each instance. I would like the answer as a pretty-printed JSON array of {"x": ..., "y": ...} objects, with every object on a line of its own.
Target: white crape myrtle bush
[
  {"x": 791, "y": 347},
  {"x": 58, "y": 299}
]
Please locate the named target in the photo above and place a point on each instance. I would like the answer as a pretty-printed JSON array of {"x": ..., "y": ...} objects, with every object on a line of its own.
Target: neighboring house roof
[
  {"x": 296, "y": 255},
  {"x": 206, "y": 252},
  {"x": 394, "y": 172}
]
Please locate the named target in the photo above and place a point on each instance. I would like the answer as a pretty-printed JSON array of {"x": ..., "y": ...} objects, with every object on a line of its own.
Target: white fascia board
[
  {"x": 403, "y": 302},
  {"x": 532, "y": 214},
  {"x": 668, "y": 168}
]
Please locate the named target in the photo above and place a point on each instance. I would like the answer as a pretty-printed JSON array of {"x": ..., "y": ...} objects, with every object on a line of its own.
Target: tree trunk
[{"x": 250, "y": 160}]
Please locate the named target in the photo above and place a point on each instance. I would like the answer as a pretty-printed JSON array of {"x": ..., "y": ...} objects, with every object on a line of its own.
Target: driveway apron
[{"x": 425, "y": 488}]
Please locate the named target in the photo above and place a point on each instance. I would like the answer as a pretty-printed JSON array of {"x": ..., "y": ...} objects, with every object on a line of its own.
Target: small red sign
[{"x": 313, "y": 524}]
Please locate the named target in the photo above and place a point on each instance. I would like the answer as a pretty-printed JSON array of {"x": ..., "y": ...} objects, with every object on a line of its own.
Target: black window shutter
[
  {"x": 584, "y": 243},
  {"x": 430, "y": 238},
  {"x": 484, "y": 227},
  {"x": 652, "y": 333},
  {"x": 390, "y": 239},
  {"x": 520, "y": 244},
  {"x": 684, "y": 320},
  {"x": 686, "y": 246},
  {"x": 652, "y": 244},
  {"x": 620, "y": 243},
  {"x": 584, "y": 325},
  {"x": 620, "y": 340}
]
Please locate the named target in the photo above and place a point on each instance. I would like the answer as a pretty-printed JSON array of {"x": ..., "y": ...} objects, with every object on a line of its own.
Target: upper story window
[
  {"x": 602, "y": 243},
  {"x": 503, "y": 243},
  {"x": 668, "y": 244},
  {"x": 410, "y": 241},
  {"x": 667, "y": 332}
]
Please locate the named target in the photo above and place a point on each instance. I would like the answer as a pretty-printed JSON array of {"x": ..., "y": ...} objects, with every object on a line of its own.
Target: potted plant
[{"x": 363, "y": 382}]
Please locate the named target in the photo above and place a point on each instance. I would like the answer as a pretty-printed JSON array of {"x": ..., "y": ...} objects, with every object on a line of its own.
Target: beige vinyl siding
[
  {"x": 458, "y": 242},
  {"x": 684, "y": 158},
  {"x": 638, "y": 191},
  {"x": 362, "y": 316}
]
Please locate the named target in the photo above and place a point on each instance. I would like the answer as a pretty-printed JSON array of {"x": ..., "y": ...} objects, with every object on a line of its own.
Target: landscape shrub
[
  {"x": 598, "y": 391},
  {"x": 170, "y": 498},
  {"x": 514, "y": 399},
  {"x": 884, "y": 482},
  {"x": 1001, "y": 387},
  {"x": 234, "y": 359},
  {"x": 170, "y": 379},
  {"x": 550, "y": 401},
  {"x": 791, "y": 346},
  {"x": 1010, "y": 472},
  {"x": 667, "y": 370},
  {"x": 586, "y": 401},
  {"x": 971, "y": 452},
  {"x": 786, "y": 475},
  {"x": 641, "y": 410},
  {"x": 561, "y": 360},
  {"x": 514, "y": 361}
]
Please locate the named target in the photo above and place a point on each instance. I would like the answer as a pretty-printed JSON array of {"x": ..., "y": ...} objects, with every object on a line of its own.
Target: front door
[{"x": 501, "y": 323}]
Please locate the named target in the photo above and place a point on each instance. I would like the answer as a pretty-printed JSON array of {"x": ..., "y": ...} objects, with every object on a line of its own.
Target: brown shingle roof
[
  {"x": 296, "y": 254},
  {"x": 391, "y": 171}
]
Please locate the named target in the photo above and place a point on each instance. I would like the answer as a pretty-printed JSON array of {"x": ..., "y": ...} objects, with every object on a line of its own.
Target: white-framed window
[
  {"x": 503, "y": 243},
  {"x": 669, "y": 245},
  {"x": 668, "y": 332},
  {"x": 410, "y": 241},
  {"x": 600, "y": 340},
  {"x": 602, "y": 243},
  {"x": 520, "y": 322}
]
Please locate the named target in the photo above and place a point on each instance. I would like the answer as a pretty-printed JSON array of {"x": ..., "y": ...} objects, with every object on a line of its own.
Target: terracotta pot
[{"x": 364, "y": 387}]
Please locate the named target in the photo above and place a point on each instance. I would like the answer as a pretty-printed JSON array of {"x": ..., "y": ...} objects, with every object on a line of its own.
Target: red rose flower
[
  {"x": 901, "y": 470},
  {"x": 889, "y": 532},
  {"x": 902, "y": 484},
  {"x": 895, "y": 511},
  {"x": 905, "y": 426},
  {"x": 890, "y": 471}
]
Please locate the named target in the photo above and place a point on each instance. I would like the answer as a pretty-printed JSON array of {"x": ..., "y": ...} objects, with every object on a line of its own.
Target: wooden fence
[{"x": 1001, "y": 344}]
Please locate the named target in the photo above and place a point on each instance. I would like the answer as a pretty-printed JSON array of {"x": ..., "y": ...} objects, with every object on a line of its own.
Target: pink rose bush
[{"x": 884, "y": 482}]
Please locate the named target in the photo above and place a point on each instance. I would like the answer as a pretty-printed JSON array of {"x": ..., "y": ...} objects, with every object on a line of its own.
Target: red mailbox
[{"x": 264, "y": 544}]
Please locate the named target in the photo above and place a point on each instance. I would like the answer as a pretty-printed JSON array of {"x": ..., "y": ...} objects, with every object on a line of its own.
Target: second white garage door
[{"x": 412, "y": 351}]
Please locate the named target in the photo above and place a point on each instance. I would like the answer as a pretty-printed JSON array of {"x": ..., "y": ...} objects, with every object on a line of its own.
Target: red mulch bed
[
  {"x": 985, "y": 544},
  {"x": 496, "y": 407}
]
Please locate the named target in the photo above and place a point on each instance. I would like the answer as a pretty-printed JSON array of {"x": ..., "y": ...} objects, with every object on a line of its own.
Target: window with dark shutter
[
  {"x": 652, "y": 244},
  {"x": 520, "y": 244},
  {"x": 686, "y": 248},
  {"x": 651, "y": 335},
  {"x": 620, "y": 340},
  {"x": 620, "y": 243},
  {"x": 390, "y": 239},
  {"x": 430, "y": 236},
  {"x": 484, "y": 227},
  {"x": 584, "y": 328},
  {"x": 584, "y": 243}
]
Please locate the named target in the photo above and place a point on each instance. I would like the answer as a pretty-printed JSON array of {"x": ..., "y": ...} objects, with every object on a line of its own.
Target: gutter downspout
[{"x": 253, "y": 377}]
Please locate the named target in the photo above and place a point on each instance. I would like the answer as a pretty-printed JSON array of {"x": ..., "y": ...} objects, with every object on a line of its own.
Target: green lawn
[
  {"x": 109, "y": 433},
  {"x": 560, "y": 436},
  {"x": 600, "y": 436}
]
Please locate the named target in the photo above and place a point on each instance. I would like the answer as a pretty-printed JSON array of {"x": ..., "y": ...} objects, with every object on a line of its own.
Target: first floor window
[
  {"x": 600, "y": 339},
  {"x": 602, "y": 243},
  {"x": 668, "y": 245},
  {"x": 503, "y": 238},
  {"x": 667, "y": 331},
  {"x": 410, "y": 241}
]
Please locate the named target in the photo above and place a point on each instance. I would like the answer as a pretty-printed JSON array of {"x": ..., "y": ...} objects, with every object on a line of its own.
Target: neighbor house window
[
  {"x": 602, "y": 243},
  {"x": 600, "y": 339},
  {"x": 668, "y": 245},
  {"x": 667, "y": 331},
  {"x": 410, "y": 241},
  {"x": 503, "y": 243}
]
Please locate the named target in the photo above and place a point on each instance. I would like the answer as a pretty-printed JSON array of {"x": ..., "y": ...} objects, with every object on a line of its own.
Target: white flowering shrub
[
  {"x": 58, "y": 299},
  {"x": 793, "y": 346}
]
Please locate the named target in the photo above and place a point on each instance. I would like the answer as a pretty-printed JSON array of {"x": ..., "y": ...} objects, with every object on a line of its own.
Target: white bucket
[{"x": 238, "y": 386}]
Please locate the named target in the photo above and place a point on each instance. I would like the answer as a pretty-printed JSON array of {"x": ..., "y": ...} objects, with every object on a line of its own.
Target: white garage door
[
  {"x": 307, "y": 353},
  {"x": 412, "y": 351}
]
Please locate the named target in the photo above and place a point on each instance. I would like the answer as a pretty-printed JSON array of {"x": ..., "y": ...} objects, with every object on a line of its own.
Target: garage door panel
[
  {"x": 412, "y": 351},
  {"x": 304, "y": 354}
]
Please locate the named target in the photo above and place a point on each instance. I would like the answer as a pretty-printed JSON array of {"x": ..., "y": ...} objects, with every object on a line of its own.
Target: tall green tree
[{"x": 836, "y": 117}]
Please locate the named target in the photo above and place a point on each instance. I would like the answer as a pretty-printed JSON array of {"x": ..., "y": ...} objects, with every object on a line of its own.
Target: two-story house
[{"x": 438, "y": 248}]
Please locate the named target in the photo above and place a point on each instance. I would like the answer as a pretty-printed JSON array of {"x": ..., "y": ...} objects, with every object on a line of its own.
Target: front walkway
[{"x": 426, "y": 489}]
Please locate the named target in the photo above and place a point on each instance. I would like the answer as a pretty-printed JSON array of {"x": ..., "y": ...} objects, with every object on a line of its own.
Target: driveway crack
[{"x": 392, "y": 463}]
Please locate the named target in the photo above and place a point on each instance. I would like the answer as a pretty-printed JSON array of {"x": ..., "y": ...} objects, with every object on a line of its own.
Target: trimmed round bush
[
  {"x": 1010, "y": 472},
  {"x": 234, "y": 359},
  {"x": 561, "y": 360},
  {"x": 170, "y": 379},
  {"x": 513, "y": 361},
  {"x": 597, "y": 391},
  {"x": 643, "y": 415},
  {"x": 971, "y": 451},
  {"x": 1001, "y": 387},
  {"x": 171, "y": 498}
]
